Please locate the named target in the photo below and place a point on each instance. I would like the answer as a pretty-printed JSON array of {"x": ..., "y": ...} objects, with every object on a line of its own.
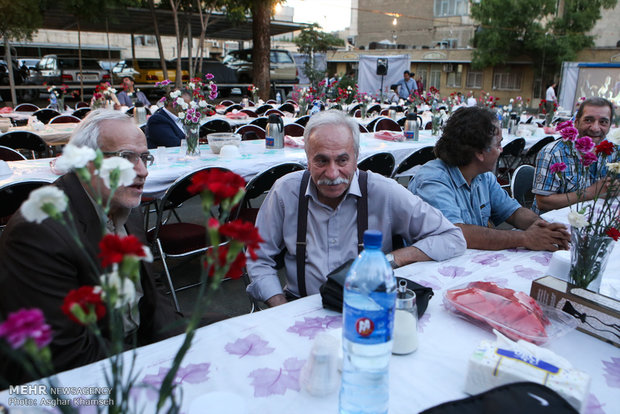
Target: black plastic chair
[
  {"x": 294, "y": 130},
  {"x": 371, "y": 125},
  {"x": 25, "y": 141},
  {"x": 353, "y": 109},
  {"x": 380, "y": 163},
  {"x": 46, "y": 114},
  {"x": 250, "y": 132},
  {"x": 130, "y": 110},
  {"x": 81, "y": 104},
  {"x": 508, "y": 161},
  {"x": 81, "y": 112},
  {"x": 530, "y": 155},
  {"x": 374, "y": 109},
  {"x": 13, "y": 195},
  {"x": 233, "y": 107},
  {"x": 363, "y": 129},
  {"x": 180, "y": 239},
  {"x": 64, "y": 119},
  {"x": 287, "y": 107},
  {"x": 259, "y": 185},
  {"x": 521, "y": 185},
  {"x": 249, "y": 112},
  {"x": 262, "y": 109},
  {"x": 261, "y": 122},
  {"x": 303, "y": 121},
  {"x": 9, "y": 154},
  {"x": 387, "y": 124},
  {"x": 214, "y": 125},
  {"x": 274, "y": 111},
  {"x": 419, "y": 157},
  {"x": 26, "y": 107}
]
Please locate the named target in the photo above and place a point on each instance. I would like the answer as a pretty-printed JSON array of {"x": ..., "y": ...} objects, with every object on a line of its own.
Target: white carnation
[
  {"x": 125, "y": 167},
  {"x": 191, "y": 85},
  {"x": 202, "y": 104},
  {"x": 74, "y": 157},
  {"x": 42, "y": 202},
  {"x": 180, "y": 101},
  {"x": 124, "y": 287},
  {"x": 181, "y": 115},
  {"x": 577, "y": 220},
  {"x": 614, "y": 167},
  {"x": 614, "y": 136},
  {"x": 175, "y": 94}
]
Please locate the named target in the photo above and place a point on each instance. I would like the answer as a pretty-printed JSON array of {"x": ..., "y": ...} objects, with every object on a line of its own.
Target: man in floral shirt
[{"x": 593, "y": 120}]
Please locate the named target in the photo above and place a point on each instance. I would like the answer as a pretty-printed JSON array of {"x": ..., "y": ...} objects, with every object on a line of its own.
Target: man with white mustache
[{"x": 333, "y": 194}]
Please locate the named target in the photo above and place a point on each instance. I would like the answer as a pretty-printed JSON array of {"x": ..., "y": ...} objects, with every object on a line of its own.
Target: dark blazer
[
  {"x": 161, "y": 130},
  {"x": 41, "y": 263}
]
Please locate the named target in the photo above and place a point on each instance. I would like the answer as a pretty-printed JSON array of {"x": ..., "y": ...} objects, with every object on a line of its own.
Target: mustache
[{"x": 335, "y": 181}]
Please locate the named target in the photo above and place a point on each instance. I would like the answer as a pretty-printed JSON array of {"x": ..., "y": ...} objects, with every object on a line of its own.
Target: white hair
[
  {"x": 88, "y": 132},
  {"x": 333, "y": 117}
]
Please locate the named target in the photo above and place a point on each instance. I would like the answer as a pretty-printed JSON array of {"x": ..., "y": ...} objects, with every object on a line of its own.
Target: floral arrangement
[
  {"x": 103, "y": 93},
  {"x": 601, "y": 217},
  {"x": 364, "y": 100},
  {"x": 253, "y": 90},
  {"x": 57, "y": 95},
  {"x": 25, "y": 333},
  {"x": 542, "y": 106},
  {"x": 347, "y": 89},
  {"x": 487, "y": 100}
]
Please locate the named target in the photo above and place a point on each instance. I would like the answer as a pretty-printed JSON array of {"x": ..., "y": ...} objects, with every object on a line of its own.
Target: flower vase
[
  {"x": 589, "y": 254},
  {"x": 363, "y": 110},
  {"x": 435, "y": 126},
  {"x": 191, "y": 138}
]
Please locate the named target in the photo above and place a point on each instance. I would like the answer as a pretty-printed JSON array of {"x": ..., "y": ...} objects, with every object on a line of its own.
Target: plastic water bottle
[
  {"x": 315, "y": 109},
  {"x": 278, "y": 98},
  {"x": 368, "y": 325}
]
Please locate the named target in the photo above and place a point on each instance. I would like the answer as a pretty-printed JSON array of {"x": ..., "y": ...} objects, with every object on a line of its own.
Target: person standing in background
[{"x": 550, "y": 102}]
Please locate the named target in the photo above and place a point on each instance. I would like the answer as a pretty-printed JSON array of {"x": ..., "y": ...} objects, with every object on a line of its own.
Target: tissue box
[
  {"x": 491, "y": 366},
  {"x": 597, "y": 313}
]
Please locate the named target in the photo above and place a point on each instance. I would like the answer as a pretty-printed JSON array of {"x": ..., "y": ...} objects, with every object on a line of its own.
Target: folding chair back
[
  {"x": 303, "y": 121},
  {"x": 81, "y": 112},
  {"x": 262, "y": 109},
  {"x": 521, "y": 185},
  {"x": 214, "y": 125},
  {"x": 509, "y": 160},
  {"x": 9, "y": 154},
  {"x": 294, "y": 130},
  {"x": 25, "y": 140},
  {"x": 249, "y": 112},
  {"x": 26, "y": 107},
  {"x": 65, "y": 119},
  {"x": 530, "y": 155},
  {"x": 250, "y": 132},
  {"x": 380, "y": 163},
  {"x": 419, "y": 157},
  {"x": 13, "y": 195},
  {"x": 261, "y": 122},
  {"x": 46, "y": 114},
  {"x": 287, "y": 107},
  {"x": 387, "y": 124},
  {"x": 233, "y": 107}
]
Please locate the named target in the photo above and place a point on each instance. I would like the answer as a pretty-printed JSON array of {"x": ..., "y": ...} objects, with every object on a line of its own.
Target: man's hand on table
[
  {"x": 542, "y": 235},
  {"x": 276, "y": 300}
]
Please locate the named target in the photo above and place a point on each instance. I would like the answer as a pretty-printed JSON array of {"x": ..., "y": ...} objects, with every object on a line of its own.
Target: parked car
[
  {"x": 223, "y": 74},
  {"x": 58, "y": 70},
  {"x": 282, "y": 69},
  {"x": 146, "y": 70}
]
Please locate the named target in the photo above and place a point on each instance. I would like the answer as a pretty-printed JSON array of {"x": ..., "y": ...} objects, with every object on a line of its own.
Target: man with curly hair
[{"x": 462, "y": 185}]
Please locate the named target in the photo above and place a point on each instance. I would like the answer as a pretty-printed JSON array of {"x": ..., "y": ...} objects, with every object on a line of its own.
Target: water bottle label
[
  {"x": 269, "y": 142},
  {"x": 368, "y": 327},
  {"x": 410, "y": 135}
]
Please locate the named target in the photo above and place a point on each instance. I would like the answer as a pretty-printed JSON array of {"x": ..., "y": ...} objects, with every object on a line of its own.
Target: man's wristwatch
[{"x": 390, "y": 258}]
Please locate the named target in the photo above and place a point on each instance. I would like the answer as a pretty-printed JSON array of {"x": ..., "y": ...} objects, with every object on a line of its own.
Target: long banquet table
[{"x": 254, "y": 361}]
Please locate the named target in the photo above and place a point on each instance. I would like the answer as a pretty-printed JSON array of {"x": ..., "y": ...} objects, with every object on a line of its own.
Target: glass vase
[
  {"x": 435, "y": 127},
  {"x": 363, "y": 110},
  {"x": 589, "y": 254},
  {"x": 191, "y": 139}
]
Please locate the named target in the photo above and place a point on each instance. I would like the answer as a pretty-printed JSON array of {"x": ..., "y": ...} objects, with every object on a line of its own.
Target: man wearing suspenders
[{"x": 317, "y": 216}]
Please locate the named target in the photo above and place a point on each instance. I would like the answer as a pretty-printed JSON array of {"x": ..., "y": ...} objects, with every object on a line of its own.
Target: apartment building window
[
  {"x": 455, "y": 74},
  {"x": 508, "y": 81},
  {"x": 445, "y": 8},
  {"x": 145, "y": 40},
  {"x": 434, "y": 78},
  {"x": 474, "y": 80}
]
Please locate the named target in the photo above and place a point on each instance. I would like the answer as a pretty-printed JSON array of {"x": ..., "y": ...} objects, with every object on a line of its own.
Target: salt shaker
[{"x": 405, "y": 321}]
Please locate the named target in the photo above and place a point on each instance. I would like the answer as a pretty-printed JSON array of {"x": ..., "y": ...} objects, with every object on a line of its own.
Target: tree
[
  {"x": 311, "y": 41},
  {"x": 547, "y": 31},
  {"x": 20, "y": 19}
]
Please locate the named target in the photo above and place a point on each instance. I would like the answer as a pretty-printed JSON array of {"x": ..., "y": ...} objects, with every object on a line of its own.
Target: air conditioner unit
[{"x": 448, "y": 67}]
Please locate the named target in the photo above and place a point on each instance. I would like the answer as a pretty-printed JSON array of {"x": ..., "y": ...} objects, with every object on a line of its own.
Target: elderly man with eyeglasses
[
  {"x": 462, "y": 185},
  {"x": 40, "y": 262}
]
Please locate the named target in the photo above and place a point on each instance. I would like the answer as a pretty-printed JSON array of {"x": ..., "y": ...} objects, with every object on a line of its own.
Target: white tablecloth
[{"x": 258, "y": 357}]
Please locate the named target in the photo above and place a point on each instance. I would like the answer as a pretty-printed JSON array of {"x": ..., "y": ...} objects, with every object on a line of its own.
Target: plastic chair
[
  {"x": 271, "y": 102},
  {"x": 64, "y": 119},
  {"x": 232, "y": 107},
  {"x": 81, "y": 104},
  {"x": 274, "y": 111},
  {"x": 353, "y": 109},
  {"x": 419, "y": 157},
  {"x": 9, "y": 154},
  {"x": 227, "y": 102},
  {"x": 508, "y": 161},
  {"x": 287, "y": 107},
  {"x": 214, "y": 125},
  {"x": 259, "y": 185},
  {"x": 261, "y": 122},
  {"x": 521, "y": 185},
  {"x": 532, "y": 152},
  {"x": 25, "y": 140},
  {"x": 371, "y": 125},
  {"x": 180, "y": 239},
  {"x": 262, "y": 109},
  {"x": 357, "y": 113},
  {"x": 376, "y": 108},
  {"x": 303, "y": 121},
  {"x": 250, "y": 113},
  {"x": 387, "y": 124},
  {"x": 380, "y": 163},
  {"x": 82, "y": 112},
  {"x": 26, "y": 107},
  {"x": 294, "y": 130},
  {"x": 250, "y": 132},
  {"x": 46, "y": 114},
  {"x": 13, "y": 195}
]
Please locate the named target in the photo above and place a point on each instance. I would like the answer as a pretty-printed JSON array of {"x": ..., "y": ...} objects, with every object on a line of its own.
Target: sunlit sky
[{"x": 330, "y": 14}]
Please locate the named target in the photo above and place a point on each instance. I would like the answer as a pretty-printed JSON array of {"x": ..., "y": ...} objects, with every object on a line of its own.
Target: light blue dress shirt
[{"x": 445, "y": 188}]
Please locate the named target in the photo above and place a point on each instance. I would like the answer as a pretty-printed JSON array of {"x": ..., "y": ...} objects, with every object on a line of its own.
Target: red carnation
[
  {"x": 605, "y": 147},
  {"x": 236, "y": 267},
  {"x": 613, "y": 233},
  {"x": 223, "y": 184},
  {"x": 113, "y": 248},
  {"x": 88, "y": 299},
  {"x": 244, "y": 232}
]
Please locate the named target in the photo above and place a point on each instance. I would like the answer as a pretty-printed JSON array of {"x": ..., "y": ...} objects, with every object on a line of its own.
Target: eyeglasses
[{"x": 133, "y": 157}]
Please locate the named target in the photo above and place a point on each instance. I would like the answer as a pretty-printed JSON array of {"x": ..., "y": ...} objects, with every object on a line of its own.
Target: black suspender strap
[{"x": 302, "y": 225}]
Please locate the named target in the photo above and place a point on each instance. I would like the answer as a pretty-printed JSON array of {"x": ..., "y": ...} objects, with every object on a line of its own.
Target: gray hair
[
  {"x": 333, "y": 117},
  {"x": 88, "y": 131}
]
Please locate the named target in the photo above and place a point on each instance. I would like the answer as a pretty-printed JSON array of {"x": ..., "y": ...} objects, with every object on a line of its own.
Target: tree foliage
[
  {"x": 311, "y": 40},
  {"x": 535, "y": 28},
  {"x": 20, "y": 19}
]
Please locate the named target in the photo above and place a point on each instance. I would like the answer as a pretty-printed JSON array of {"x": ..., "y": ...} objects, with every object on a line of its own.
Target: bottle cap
[{"x": 372, "y": 238}]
